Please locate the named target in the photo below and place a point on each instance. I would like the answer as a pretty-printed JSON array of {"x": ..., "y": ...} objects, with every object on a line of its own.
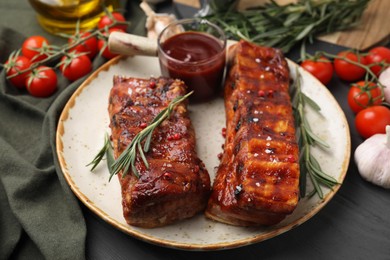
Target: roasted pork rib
[
  {"x": 176, "y": 185},
  {"x": 257, "y": 179}
]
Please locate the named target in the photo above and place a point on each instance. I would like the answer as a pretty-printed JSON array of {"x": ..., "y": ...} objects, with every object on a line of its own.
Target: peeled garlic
[{"x": 373, "y": 159}]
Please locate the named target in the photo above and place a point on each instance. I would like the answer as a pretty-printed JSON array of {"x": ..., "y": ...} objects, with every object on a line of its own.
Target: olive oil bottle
[{"x": 61, "y": 16}]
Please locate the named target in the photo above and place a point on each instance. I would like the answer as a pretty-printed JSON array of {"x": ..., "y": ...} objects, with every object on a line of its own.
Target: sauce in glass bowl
[{"x": 195, "y": 57}]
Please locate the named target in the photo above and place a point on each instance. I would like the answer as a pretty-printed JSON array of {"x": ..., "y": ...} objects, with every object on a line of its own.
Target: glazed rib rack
[
  {"x": 176, "y": 184},
  {"x": 257, "y": 182}
]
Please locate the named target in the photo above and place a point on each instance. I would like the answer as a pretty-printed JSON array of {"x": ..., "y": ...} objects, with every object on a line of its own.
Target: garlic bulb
[
  {"x": 384, "y": 78},
  {"x": 373, "y": 159},
  {"x": 155, "y": 23}
]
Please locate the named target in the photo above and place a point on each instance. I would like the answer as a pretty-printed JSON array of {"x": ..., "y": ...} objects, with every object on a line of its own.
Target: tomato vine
[{"x": 74, "y": 57}]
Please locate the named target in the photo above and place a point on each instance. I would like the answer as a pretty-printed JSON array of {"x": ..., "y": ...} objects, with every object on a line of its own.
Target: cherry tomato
[
  {"x": 42, "y": 82},
  {"x": 106, "y": 20},
  {"x": 321, "y": 68},
  {"x": 88, "y": 46},
  {"x": 75, "y": 66},
  {"x": 348, "y": 71},
  {"x": 103, "y": 48},
  {"x": 13, "y": 66},
  {"x": 364, "y": 94},
  {"x": 376, "y": 55},
  {"x": 372, "y": 120},
  {"x": 30, "y": 46}
]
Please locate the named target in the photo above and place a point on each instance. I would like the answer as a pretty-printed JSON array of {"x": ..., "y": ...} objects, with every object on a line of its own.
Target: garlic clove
[
  {"x": 384, "y": 79},
  {"x": 372, "y": 158}
]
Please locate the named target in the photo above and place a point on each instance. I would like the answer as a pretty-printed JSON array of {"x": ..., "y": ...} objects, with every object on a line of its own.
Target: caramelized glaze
[
  {"x": 176, "y": 185},
  {"x": 258, "y": 176}
]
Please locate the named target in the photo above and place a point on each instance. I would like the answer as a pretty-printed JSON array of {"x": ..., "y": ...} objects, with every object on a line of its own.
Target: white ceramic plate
[{"x": 84, "y": 122}]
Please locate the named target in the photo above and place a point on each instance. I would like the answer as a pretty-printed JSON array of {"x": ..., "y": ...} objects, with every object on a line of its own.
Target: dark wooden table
[{"x": 354, "y": 225}]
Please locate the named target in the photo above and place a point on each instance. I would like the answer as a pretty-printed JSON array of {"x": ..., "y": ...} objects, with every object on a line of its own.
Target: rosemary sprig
[
  {"x": 283, "y": 26},
  {"x": 308, "y": 163},
  {"x": 127, "y": 158}
]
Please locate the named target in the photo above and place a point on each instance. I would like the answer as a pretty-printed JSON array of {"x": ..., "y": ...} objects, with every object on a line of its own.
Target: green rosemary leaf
[
  {"x": 307, "y": 129},
  {"x": 141, "y": 152},
  {"x": 309, "y": 8},
  {"x": 305, "y": 32},
  {"x": 147, "y": 143},
  {"x": 123, "y": 162},
  {"x": 274, "y": 33},
  {"x": 133, "y": 168},
  {"x": 317, "y": 169},
  {"x": 291, "y": 18},
  {"x": 110, "y": 157},
  {"x": 242, "y": 36},
  {"x": 273, "y": 19},
  {"x": 323, "y": 10},
  {"x": 303, "y": 50},
  {"x": 311, "y": 103},
  {"x": 316, "y": 139},
  {"x": 315, "y": 183},
  {"x": 320, "y": 176},
  {"x": 99, "y": 157}
]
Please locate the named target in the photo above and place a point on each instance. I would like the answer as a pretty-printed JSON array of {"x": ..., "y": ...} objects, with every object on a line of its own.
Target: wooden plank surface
[{"x": 374, "y": 28}]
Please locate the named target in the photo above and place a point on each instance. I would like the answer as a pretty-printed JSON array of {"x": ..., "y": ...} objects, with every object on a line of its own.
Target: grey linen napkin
[{"x": 40, "y": 218}]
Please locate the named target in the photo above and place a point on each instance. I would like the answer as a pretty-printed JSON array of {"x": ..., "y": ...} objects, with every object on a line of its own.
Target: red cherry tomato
[
  {"x": 321, "y": 68},
  {"x": 106, "y": 20},
  {"x": 364, "y": 94},
  {"x": 372, "y": 120},
  {"x": 35, "y": 48},
  {"x": 376, "y": 55},
  {"x": 42, "y": 82},
  {"x": 75, "y": 66},
  {"x": 13, "y": 66},
  {"x": 348, "y": 71},
  {"x": 103, "y": 48},
  {"x": 88, "y": 46}
]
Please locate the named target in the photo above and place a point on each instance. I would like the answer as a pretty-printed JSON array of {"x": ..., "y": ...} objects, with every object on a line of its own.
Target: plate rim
[{"x": 172, "y": 244}]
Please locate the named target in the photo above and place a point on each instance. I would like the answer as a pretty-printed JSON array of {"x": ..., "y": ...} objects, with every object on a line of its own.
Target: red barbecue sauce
[{"x": 196, "y": 58}]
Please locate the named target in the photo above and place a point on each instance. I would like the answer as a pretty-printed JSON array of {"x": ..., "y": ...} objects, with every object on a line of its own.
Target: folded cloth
[
  {"x": 39, "y": 215},
  {"x": 40, "y": 218}
]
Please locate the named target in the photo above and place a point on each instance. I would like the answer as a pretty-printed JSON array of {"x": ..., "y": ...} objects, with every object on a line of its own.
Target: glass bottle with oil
[{"x": 61, "y": 16}]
